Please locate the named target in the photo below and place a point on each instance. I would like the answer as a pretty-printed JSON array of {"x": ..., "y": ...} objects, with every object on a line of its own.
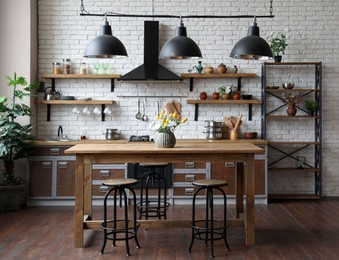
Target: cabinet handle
[
  {"x": 189, "y": 178},
  {"x": 103, "y": 189},
  {"x": 46, "y": 165},
  {"x": 229, "y": 164},
  {"x": 54, "y": 151},
  {"x": 189, "y": 165},
  {"x": 189, "y": 191},
  {"x": 104, "y": 173},
  {"x": 62, "y": 165}
]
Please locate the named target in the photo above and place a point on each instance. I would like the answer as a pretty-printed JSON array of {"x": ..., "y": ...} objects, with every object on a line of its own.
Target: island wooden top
[{"x": 180, "y": 148}]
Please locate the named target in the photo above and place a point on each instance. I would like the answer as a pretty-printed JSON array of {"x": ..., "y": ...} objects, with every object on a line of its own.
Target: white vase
[{"x": 165, "y": 140}]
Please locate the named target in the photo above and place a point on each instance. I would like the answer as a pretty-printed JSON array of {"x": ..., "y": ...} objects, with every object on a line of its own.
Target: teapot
[{"x": 51, "y": 94}]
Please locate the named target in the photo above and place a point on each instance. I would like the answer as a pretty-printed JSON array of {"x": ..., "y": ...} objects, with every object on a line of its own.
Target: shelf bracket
[
  {"x": 196, "y": 112},
  {"x": 239, "y": 84},
  {"x": 191, "y": 84},
  {"x": 53, "y": 84},
  {"x": 48, "y": 112},
  {"x": 102, "y": 112},
  {"x": 250, "y": 112},
  {"x": 112, "y": 86}
]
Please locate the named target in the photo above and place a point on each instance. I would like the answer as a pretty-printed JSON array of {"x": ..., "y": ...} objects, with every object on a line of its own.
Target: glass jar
[
  {"x": 56, "y": 68},
  {"x": 83, "y": 68},
  {"x": 67, "y": 66}
]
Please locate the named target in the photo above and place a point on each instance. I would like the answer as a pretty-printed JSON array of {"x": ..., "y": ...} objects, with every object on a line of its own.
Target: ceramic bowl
[
  {"x": 250, "y": 135},
  {"x": 247, "y": 97}
]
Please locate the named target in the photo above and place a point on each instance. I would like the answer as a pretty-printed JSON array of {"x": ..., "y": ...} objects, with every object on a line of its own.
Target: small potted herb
[
  {"x": 277, "y": 42},
  {"x": 311, "y": 106}
]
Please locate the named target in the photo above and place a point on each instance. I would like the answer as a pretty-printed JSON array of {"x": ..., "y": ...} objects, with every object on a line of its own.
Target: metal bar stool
[
  {"x": 120, "y": 228},
  {"x": 153, "y": 207},
  {"x": 209, "y": 229}
]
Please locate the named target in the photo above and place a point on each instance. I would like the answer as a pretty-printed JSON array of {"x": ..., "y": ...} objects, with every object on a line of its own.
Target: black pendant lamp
[
  {"x": 180, "y": 46},
  {"x": 252, "y": 47},
  {"x": 105, "y": 45}
]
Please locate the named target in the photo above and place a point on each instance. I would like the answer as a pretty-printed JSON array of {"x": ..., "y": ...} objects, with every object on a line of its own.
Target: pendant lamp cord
[{"x": 83, "y": 12}]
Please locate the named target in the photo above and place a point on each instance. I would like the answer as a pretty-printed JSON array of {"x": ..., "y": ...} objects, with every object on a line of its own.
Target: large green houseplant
[{"x": 14, "y": 136}]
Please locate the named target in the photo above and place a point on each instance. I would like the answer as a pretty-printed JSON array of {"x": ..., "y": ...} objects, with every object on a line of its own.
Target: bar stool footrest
[
  {"x": 153, "y": 208},
  {"x": 201, "y": 232},
  {"x": 120, "y": 231}
]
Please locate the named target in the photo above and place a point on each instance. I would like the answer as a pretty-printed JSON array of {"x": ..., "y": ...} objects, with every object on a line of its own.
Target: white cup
[
  {"x": 86, "y": 111},
  {"x": 97, "y": 111},
  {"x": 107, "y": 111},
  {"x": 76, "y": 111}
]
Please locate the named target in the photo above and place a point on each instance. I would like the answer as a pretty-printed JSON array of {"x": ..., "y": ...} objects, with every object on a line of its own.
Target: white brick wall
[{"x": 312, "y": 36}]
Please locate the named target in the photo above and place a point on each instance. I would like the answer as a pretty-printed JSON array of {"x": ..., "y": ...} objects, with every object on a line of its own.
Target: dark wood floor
[{"x": 285, "y": 230}]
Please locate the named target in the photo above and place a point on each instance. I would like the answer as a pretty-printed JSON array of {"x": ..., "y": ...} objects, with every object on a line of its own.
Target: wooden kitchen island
[{"x": 132, "y": 152}]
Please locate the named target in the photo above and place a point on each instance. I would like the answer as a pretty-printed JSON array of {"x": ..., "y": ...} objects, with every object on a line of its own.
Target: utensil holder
[{"x": 234, "y": 135}]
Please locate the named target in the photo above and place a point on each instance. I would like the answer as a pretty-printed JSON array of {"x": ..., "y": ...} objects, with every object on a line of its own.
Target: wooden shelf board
[
  {"x": 292, "y": 143},
  {"x": 293, "y": 170},
  {"x": 209, "y": 101},
  {"x": 216, "y": 75},
  {"x": 80, "y": 76},
  {"x": 291, "y": 117},
  {"x": 75, "y": 102},
  {"x": 295, "y": 89},
  {"x": 292, "y": 63},
  {"x": 293, "y": 196}
]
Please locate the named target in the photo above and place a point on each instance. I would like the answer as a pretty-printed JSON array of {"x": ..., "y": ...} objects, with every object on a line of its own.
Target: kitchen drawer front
[
  {"x": 225, "y": 171},
  {"x": 190, "y": 165},
  {"x": 50, "y": 151},
  {"x": 187, "y": 191},
  {"x": 108, "y": 171},
  {"x": 40, "y": 178},
  {"x": 188, "y": 177}
]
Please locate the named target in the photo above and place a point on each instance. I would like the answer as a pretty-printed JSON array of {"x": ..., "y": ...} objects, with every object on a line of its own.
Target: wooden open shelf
[
  {"x": 291, "y": 117},
  {"x": 249, "y": 102},
  {"x": 293, "y": 197},
  {"x": 75, "y": 102},
  {"x": 275, "y": 169},
  {"x": 80, "y": 76},
  {"x": 238, "y": 76}
]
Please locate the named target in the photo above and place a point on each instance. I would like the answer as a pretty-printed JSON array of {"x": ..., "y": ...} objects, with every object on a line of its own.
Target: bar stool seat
[
  {"x": 156, "y": 207},
  {"x": 120, "y": 227},
  {"x": 209, "y": 229}
]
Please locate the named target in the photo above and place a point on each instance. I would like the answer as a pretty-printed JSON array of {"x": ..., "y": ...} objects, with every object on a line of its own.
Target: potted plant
[
  {"x": 277, "y": 42},
  {"x": 225, "y": 91},
  {"x": 311, "y": 106},
  {"x": 14, "y": 139},
  {"x": 292, "y": 99}
]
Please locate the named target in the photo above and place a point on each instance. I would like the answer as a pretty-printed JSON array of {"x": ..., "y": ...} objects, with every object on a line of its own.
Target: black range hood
[{"x": 151, "y": 70}]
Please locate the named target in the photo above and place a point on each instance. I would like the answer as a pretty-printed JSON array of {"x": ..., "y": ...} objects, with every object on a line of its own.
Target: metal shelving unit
[{"x": 289, "y": 149}]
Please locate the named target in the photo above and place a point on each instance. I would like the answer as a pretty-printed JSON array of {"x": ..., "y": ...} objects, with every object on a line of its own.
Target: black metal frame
[{"x": 317, "y": 121}]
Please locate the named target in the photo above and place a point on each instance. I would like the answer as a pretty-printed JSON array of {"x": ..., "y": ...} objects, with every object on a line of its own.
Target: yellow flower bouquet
[{"x": 167, "y": 123}]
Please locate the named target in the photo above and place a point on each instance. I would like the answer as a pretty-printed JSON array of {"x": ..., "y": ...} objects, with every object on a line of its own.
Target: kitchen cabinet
[
  {"x": 238, "y": 76},
  {"x": 51, "y": 174},
  {"x": 103, "y": 172},
  {"x": 295, "y": 148},
  {"x": 183, "y": 176}
]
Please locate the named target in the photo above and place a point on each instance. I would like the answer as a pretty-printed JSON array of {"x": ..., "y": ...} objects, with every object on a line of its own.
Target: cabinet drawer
[
  {"x": 184, "y": 191},
  {"x": 188, "y": 177},
  {"x": 103, "y": 174},
  {"x": 190, "y": 165},
  {"x": 49, "y": 151},
  {"x": 40, "y": 178}
]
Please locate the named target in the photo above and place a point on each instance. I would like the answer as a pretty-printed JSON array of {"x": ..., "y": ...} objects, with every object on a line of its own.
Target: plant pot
[
  {"x": 236, "y": 95},
  {"x": 291, "y": 110},
  {"x": 165, "y": 140},
  {"x": 11, "y": 197},
  {"x": 225, "y": 96},
  {"x": 215, "y": 96},
  {"x": 203, "y": 96},
  {"x": 277, "y": 58}
]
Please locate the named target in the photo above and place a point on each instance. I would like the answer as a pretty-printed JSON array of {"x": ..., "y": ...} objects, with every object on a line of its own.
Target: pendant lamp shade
[
  {"x": 252, "y": 47},
  {"x": 105, "y": 45},
  {"x": 180, "y": 46}
]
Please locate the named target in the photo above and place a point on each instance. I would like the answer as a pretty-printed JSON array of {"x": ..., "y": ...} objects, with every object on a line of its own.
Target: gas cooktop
[{"x": 140, "y": 138}]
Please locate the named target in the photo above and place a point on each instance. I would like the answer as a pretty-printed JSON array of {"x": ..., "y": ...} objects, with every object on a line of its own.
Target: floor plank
[{"x": 284, "y": 230}]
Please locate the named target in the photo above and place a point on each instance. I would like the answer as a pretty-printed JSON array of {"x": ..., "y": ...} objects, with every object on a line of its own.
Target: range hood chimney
[{"x": 151, "y": 70}]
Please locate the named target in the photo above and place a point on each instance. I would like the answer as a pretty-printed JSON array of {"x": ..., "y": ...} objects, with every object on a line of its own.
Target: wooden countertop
[
  {"x": 122, "y": 141},
  {"x": 181, "y": 147}
]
